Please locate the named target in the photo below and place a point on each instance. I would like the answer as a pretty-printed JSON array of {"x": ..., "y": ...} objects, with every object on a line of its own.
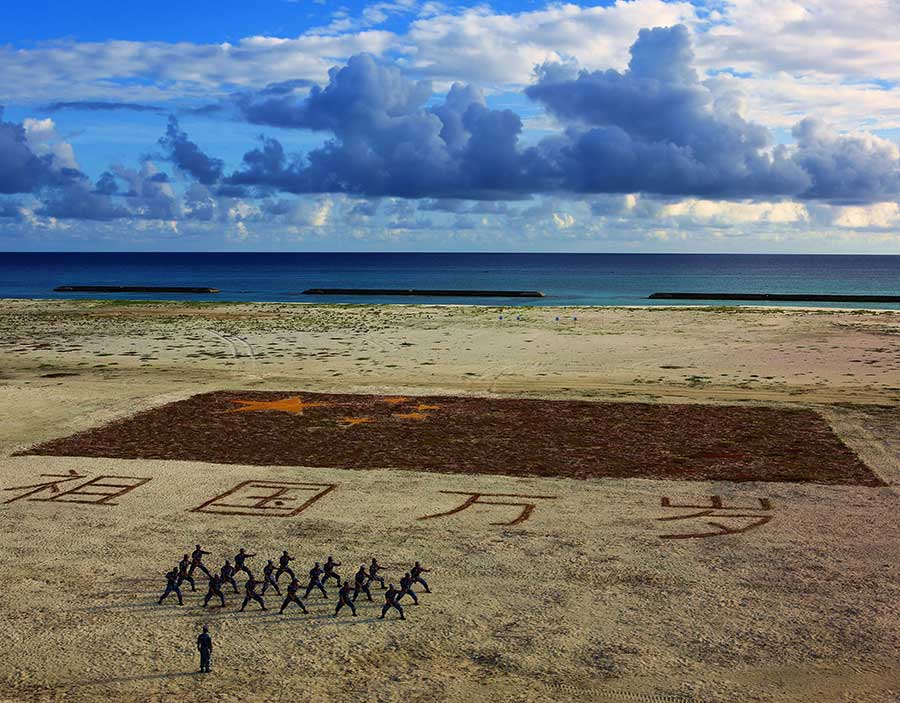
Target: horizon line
[{"x": 449, "y": 253}]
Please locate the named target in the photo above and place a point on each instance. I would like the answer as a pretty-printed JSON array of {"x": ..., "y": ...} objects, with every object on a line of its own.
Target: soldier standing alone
[{"x": 204, "y": 646}]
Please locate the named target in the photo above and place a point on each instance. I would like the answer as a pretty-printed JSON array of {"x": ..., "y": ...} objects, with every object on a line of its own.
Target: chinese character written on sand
[
  {"x": 739, "y": 519},
  {"x": 61, "y": 488},
  {"x": 266, "y": 498},
  {"x": 478, "y": 498}
]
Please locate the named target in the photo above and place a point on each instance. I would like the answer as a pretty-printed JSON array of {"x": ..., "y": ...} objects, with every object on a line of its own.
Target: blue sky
[
  {"x": 201, "y": 21},
  {"x": 635, "y": 125}
]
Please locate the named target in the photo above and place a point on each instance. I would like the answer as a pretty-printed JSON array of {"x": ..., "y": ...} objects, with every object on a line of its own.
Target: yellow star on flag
[
  {"x": 394, "y": 401},
  {"x": 411, "y": 416},
  {"x": 353, "y": 421},
  {"x": 286, "y": 405}
]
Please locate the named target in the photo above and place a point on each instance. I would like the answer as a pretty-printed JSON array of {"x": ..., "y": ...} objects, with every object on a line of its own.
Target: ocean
[{"x": 566, "y": 279}]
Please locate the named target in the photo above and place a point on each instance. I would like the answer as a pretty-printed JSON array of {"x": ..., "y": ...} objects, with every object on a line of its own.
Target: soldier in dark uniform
[
  {"x": 239, "y": 560},
  {"x": 197, "y": 561},
  {"x": 227, "y": 575},
  {"x": 268, "y": 579},
  {"x": 406, "y": 583},
  {"x": 291, "y": 597},
  {"x": 315, "y": 581},
  {"x": 416, "y": 573},
  {"x": 374, "y": 568},
  {"x": 172, "y": 586},
  {"x": 251, "y": 594},
  {"x": 215, "y": 589},
  {"x": 184, "y": 572},
  {"x": 330, "y": 573},
  {"x": 204, "y": 646},
  {"x": 361, "y": 583},
  {"x": 345, "y": 599},
  {"x": 390, "y": 601},
  {"x": 283, "y": 567}
]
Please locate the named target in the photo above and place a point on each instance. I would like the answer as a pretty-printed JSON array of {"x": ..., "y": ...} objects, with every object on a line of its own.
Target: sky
[{"x": 742, "y": 126}]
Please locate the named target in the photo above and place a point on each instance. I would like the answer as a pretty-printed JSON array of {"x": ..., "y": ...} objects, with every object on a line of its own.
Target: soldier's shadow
[
  {"x": 325, "y": 618},
  {"x": 128, "y": 679},
  {"x": 318, "y": 617},
  {"x": 126, "y": 606}
]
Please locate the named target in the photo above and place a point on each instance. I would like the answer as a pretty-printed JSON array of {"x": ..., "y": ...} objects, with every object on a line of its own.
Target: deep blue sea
[{"x": 566, "y": 279}]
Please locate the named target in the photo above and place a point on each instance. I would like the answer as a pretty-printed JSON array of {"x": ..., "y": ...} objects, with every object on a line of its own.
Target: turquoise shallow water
[{"x": 566, "y": 279}]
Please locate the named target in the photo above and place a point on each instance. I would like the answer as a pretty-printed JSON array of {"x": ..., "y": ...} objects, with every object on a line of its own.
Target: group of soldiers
[{"x": 319, "y": 576}]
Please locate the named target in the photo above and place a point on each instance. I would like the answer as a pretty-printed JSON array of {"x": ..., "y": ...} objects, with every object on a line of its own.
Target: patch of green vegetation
[
  {"x": 119, "y": 303},
  {"x": 697, "y": 380},
  {"x": 125, "y": 303},
  {"x": 726, "y": 309}
]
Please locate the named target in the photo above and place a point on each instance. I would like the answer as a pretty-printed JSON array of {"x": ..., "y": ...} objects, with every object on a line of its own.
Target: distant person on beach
[
  {"x": 345, "y": 599},
  {"x": 204, "y": 646},
  {"x": 269, "y": 578},
  {"x": 251, "y": 594},
  {"x": 330, "y": 573},
  {"x": 374, "y": 568},
  {"x": 172, "y": 586},
  {"x": 197, "y": 561},
  {"x": 406, "y": 583},
  {"x": 227, "y": 575},
  {"x": 292, "y": 597},
  {"x": 361, "y": 583},
  {"x": 239, "y": 564},
  {"x": 390, "y": 601},
  {"x": 214, "y": 590},
  {"x": 283, "y": 566},
  {"x": 184, "y": 572},
  {"x": 315, "y": 581},
  {"x": 416, "y": 573}
]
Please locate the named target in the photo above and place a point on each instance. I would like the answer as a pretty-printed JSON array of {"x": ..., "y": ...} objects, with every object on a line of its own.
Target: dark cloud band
[
  {"x": 101, "y": 106},
  {"x": 653, "y": 128}
]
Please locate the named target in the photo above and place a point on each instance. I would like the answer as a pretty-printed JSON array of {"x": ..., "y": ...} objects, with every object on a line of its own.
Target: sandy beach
[{"x": 599, "y": 594}]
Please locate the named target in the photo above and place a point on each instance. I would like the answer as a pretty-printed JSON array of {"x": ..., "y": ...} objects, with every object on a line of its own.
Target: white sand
[{"x": 584, "y": 601}]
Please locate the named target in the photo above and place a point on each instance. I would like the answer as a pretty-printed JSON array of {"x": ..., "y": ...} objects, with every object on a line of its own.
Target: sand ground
[{"x": 583, "y": 601}]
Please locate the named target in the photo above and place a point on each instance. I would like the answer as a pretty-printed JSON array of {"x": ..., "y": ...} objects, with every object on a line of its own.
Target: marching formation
[{"x": 320, "y": 576}]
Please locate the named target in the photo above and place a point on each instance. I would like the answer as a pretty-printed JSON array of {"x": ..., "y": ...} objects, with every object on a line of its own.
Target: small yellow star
[
  {"x": 287, "y": 405},
  {"x": 353, "y": 421},
  {"x": 411, "y": 416}
]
